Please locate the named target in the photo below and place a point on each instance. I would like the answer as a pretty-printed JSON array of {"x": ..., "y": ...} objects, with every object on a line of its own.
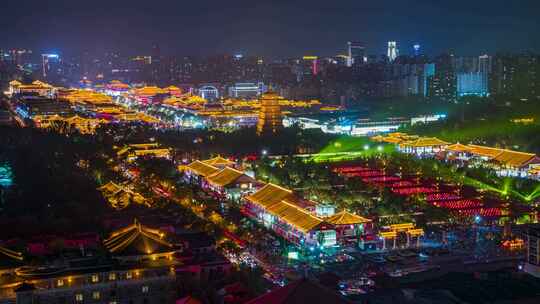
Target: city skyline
[{"x": 271, "y": 29}]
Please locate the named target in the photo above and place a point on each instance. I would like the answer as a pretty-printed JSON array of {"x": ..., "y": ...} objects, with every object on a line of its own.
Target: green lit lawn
[{"x": 349, "y": 148}]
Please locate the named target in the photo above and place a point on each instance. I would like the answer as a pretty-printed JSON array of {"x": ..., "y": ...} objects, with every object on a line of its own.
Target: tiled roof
[
  {"x": 458, "y": 148},
  {"x": 201, "y": 168},
  {"x": 346, "y": 218},
  {"x": 137, "y": 239},
  {"x": 225, "y": 176},
  {"x": 505, "y": 157},
  {"x": 425, "y": 142},
  {"x": 218, "y": 161},
  {"x": 282, "y": 203}
]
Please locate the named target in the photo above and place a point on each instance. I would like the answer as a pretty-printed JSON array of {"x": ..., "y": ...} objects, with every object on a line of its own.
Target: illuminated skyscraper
[
  {"x": 416, "y": 49},
  {"x": 312, "y": 64},
  {"x": 47, "y": 61},
  {"x": 270, "y": 117},
  {"x": 356, "y": 53},
  {"x": 484, "y": 64},
  {"x": 392, "y": 51}
]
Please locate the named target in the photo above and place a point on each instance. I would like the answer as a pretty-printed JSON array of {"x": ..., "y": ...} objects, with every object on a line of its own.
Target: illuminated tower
[
  {"x": 416, "y": 48},
  {"x": 270, "y": 117},
  {"x": 392, "y": 51},
  {"x": 46, "y": 61},
  {"x": 356, "y": 53}
]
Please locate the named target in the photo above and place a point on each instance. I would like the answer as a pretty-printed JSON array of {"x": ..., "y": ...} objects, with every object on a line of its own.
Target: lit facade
[
  {"x": 392, "y": 51},
  {"x": 270, "y": 116},
  {"x": 473, "y": 83}
]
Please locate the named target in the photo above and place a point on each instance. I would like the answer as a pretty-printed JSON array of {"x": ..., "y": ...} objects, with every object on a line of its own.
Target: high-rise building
[
  {"x": 515, "y": 75},
  {"x": 392, "y": 51},
  {"x": 311, "y": 64},
  {"x": 442, "y": 84},
  {"x": 209, "y": 92},
  {"x": 484, "y": 64},
  {"x": 270, "y": 116},
  {"x": 245, "y": 89},
  {"x": 472, "y": 84},
  {"x": 356, "y": 53},
  {"x": 48, "y": 62},
  {"x": 532, "y": 238},
  {"x": 417, "y": 50}
]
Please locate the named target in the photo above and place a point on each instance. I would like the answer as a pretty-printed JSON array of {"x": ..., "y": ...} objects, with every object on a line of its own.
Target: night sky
[{"x": 278, "y": 28}]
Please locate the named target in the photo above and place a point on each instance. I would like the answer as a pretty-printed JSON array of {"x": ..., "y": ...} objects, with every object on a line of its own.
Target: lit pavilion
[
  {"x": 278, "y": 208},
  {"x": 348, "y": 225},
  {"x": 139, "y": 243},
  {"x": 270, "y": 116}
]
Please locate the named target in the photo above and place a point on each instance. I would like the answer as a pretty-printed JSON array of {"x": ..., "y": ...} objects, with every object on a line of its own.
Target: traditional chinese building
[
  {"x": 278, "y": 208},
  {"x": 231, "y": 183},
  {"x": 350, "y": 227},
  {"x": 133, "y": 151},
  {"x": 270, "y": 116},
  {"x": 197, "y": 171},
  {"x": 423, "y": 145}
]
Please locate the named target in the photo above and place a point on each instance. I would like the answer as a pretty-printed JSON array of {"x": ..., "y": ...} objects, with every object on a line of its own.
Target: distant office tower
[
  {"x": 472, "y": 84},
  {"x": 356, "y": 53},
  {"x": 310, "y": 65},
  {"x": 484, "y": 64},
  {"x": 270, "y": 117},
  {"x": 416, "y": 49},
  {"x": 532, "y": 264},
  {"x": 48, "y": 61},
  {"x": 209, "y": 92},
  {"x": 442, "y": 84},
  {"x": 245, "y": 90},
  {"x": 392, "y": 51}
]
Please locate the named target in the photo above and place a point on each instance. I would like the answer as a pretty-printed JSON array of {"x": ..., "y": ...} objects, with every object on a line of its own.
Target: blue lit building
[
  {"x": 472, "y": 84},
  {"x": 246, "y": 90},
  {"x": 209, "y": 92}
]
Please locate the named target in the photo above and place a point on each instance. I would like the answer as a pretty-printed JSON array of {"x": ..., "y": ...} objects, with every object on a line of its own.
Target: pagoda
[{"x": 270, "y": 116}]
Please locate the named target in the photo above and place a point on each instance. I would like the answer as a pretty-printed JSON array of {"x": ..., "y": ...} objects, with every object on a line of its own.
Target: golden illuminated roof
[
  {"x": 118, "y": 84},
  {"x": 13, "y": 257},
  {"x": 120, "y": 196},
  {"x": 202, "y": 169},
  {"x": 458, "y": 148},
  {"x": 378, "y": 138},
  {"x": 149, "y": 91},
  {"x": 294, "y": 216},
  {"x": 86, "y": 96},
  {"x": 225, "y": 176},
  {"x": 505, "y": 157},
  {"x": 395, "y": 138},
  {"x": 346, "y": 218},
  {"x": 41, "y": 83},
  {"x": 219, "y": 161},
  {"x": 424, "y": 142},
  {"x": 110, "y": 188},
  {"x": 172, "y": 88},
  {"x": 270, "y": 194},
  {"x": 485, "y": 151},
  {"x": 15, "y": 83},
  {"x": 137, "y": 239},
  {"x": 516, "y": 159},
  {"x": 281, "y": 203}
]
